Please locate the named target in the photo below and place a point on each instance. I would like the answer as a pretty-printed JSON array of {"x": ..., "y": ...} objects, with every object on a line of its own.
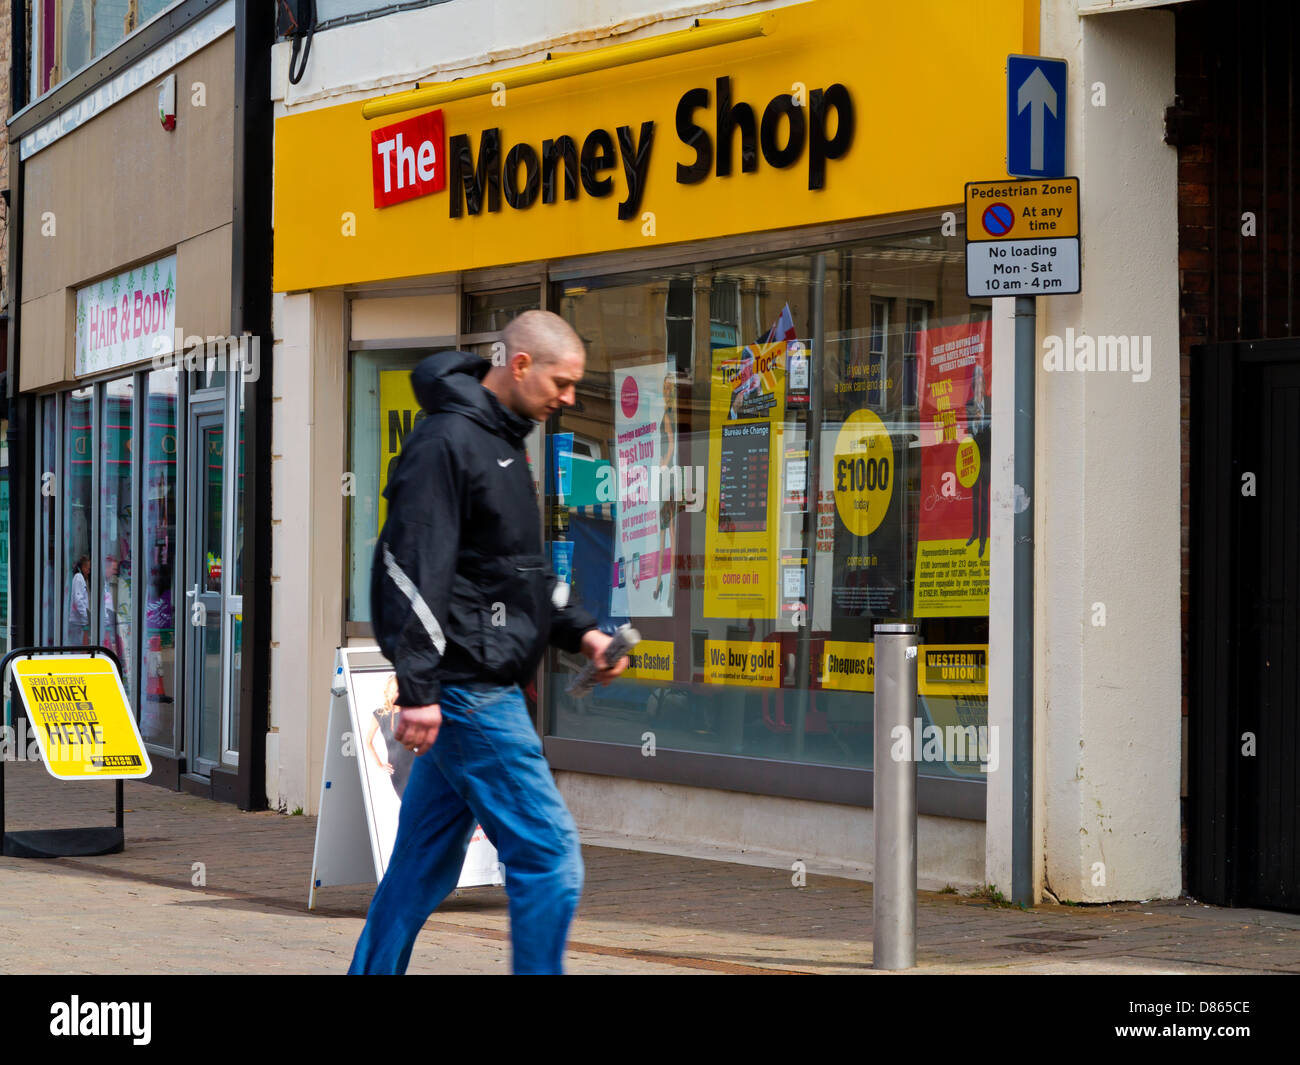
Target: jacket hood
[{"x": 451, "y": 382}]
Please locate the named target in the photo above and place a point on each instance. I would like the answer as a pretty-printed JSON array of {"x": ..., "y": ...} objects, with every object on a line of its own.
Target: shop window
[
  {"x": 116, "y": 549},
  {"x": 488, "y": 312},
  {"x": 756, "y": 517},
  {"x": 384, "y": 411},
  {"x": 679, "y": 323},
  {"x": 878, "y": 354},
  {"x": 918, "y": 318},
  {"x": 50, "y": 623},
  {"x": 80, "y": 611},
  {"x": 158, "y": 558},
  {"x": 65, "y": 35}
]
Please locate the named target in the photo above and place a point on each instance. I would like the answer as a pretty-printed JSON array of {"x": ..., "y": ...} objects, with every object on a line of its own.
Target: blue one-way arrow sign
[{"x": 1035, "y": 116}]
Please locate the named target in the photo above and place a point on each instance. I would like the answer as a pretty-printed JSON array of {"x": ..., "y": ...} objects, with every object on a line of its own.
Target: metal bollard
[{"x": 894, "y": 801}]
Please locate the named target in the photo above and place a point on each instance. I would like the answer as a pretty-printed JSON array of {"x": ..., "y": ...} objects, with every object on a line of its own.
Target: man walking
[{"x": 463, "y": 604}]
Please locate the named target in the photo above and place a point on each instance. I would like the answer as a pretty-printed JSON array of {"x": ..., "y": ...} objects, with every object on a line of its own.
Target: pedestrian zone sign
[
  {"x": 82, "y": 718},
  {"x": 1022, "y": 237}
]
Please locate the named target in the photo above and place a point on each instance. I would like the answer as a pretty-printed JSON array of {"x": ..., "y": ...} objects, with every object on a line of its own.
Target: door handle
[{"x": 197, "y": 611}]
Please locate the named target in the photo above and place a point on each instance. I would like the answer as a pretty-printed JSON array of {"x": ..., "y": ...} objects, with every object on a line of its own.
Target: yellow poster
[
  {"x": 84, "y": 725},
  {"x": 953, "y": 669},
  {"x": 849, "y": 667},
  {"x": 651, "y": 660},
  {"x": 954, "y": 680},
  {"x": 741, "y": 662},
  {"x": 399, "y": 411},
  {"x": 746, "y": 424}
]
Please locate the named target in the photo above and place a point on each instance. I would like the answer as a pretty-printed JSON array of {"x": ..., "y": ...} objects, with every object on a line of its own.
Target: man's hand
[
  {"x": 416, "y": 727},
  {"x": 594, "y": 643}
]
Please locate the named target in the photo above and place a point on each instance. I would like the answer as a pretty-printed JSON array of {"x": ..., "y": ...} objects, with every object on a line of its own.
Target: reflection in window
[
  {"x": 49, "y": 625},
  {"x": 63, "y": 36},
  {"x": 384, "y": 411},
  {"x": 488, "y": 312},
  {"x": 756, "y": 516},
  {"x": 158, "y": 549},
  {"x": 79, "y": 609},
  {"x": 117, "y": 559}
]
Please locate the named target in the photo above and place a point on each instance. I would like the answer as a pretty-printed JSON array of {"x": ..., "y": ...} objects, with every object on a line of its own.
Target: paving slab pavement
[{"x": 205, "y": 888}]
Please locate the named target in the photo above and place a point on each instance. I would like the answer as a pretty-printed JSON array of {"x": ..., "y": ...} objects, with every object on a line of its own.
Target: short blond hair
[{"x": 542, "y": 334}]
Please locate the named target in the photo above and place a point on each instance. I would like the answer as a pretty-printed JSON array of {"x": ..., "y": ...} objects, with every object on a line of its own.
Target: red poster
[{"x": 954, "y": 365}]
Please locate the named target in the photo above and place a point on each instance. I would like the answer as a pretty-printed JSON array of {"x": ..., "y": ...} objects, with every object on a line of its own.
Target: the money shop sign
[{"x": 755, "y": 135}]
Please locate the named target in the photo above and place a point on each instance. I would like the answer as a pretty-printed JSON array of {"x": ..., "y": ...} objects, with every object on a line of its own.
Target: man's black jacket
[{"x": 460, "y": 591}]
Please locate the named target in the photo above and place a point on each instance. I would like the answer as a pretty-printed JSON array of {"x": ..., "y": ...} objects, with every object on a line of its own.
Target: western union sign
[{"x": 83, "y": 721}]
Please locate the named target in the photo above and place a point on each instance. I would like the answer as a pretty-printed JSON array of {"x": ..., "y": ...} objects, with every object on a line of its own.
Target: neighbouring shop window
[
  {"x": 65, "y": 35},
  {"x": 237, "y": 581},
  {"x": 384, "y": 411},
  {"x": 116, "y": 550},
  {"x": 488, "y": 312},
  {"x": 80, "y": 610},
  {"x": 50, "y": 623},
  {"x": 821, "y": 466},
  {"x": 158, "y": 550}
]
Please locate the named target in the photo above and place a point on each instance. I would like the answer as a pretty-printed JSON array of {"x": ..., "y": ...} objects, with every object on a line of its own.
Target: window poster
[
  {"x": 746, "y": 430},
  {"x": 860, "y": 472},
  {"x": 649, "y": 490},
  {"x": 952, "y": 559},
  {"x": 399, "y": 410}
]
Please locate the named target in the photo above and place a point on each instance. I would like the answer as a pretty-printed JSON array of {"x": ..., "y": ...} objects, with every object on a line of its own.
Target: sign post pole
[
  {"x": 1022, "y": 240},
  {"x": 1022, "y": 622}
]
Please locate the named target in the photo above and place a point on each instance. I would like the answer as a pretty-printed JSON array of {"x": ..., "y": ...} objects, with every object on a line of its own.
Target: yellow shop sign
[{"x": 761, "y": 133}]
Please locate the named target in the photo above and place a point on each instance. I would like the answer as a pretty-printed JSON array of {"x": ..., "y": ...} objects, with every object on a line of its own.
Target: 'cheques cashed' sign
[{"x": 119, "y": 318}]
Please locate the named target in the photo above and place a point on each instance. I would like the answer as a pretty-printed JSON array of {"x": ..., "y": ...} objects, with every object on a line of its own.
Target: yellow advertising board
[
  {"x": 788, "y": 128},
  {"x": 848, "y": 666},
  {"x": 746, "y": 425},
  {"x": 742, "y": 662},
  {"x": 83, "y": 721},
  {"x": 399, "y": 410},
  {"x": 651, "y": 660}
]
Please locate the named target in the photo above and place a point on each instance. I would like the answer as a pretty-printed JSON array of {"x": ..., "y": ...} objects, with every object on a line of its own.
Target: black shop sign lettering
[{"x": 709, "y": 124}]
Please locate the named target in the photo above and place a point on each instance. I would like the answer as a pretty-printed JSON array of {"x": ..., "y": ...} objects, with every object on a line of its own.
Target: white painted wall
[
  {"x": 1108, "y": 721},
  {"x": 773, "y": 832},
  {"x": 460, "y": 39},
  {"x": 308, "y": 435}
]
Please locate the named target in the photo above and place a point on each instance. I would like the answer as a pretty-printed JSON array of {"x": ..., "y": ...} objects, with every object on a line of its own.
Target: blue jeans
[{"x": 486, "y": 766}]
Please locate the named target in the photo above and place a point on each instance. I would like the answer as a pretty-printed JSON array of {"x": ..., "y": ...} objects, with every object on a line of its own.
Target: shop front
[
  {"x": 783, "y": 435},
  {"x": 137, "y": 371}
]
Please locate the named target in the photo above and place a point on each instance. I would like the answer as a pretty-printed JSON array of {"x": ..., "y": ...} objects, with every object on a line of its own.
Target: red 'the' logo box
[{"x": 407, "y": 159}]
